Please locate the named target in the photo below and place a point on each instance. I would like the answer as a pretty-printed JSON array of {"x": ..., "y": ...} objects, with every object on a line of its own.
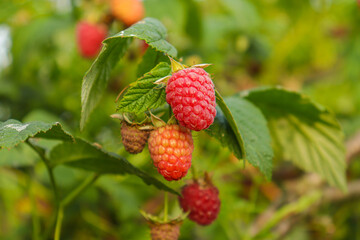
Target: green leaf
[
  {"x": 222, "y": 131},
  {"x": 143, "y": 94},
  {"x": 150, "y": 59},
  {"x": 304, "y": 132},
  {"x": 255, "y": 133},
  {"x": 250, "y": 124},
  {"x": 96, "y": 79},
  {"x": 15, "y": 157},
  {"x": 233, "y": 126},
  {"x": 80, "y": 154},
  {"x": 13, "y": 132}
]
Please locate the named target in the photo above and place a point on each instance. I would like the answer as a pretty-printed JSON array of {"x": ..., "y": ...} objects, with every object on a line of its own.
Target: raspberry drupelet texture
[
  {"x": 202, "y": 202},
  {"x": 190, "y": 92},
  {"x": 89, "y": 38},
  {"x": 171, "y": 150},
  {"x": 133, "y": 138},
  {"x": 165, "y": 231}
]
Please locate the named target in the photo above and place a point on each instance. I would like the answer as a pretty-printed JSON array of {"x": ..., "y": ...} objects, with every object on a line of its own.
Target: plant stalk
[
  {"x": 48, "y": 168},
  {"x": 68, "y": 199},
  {"x": 166, "y": 207}
]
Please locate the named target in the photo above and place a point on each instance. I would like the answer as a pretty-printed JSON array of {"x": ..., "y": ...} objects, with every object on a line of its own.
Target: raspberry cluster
[
  {"x": 190, "y": 92},
  {"x": 171, "y": 149}
]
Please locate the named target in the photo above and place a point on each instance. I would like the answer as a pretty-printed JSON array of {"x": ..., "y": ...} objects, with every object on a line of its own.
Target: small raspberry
[
  {"x": 190, "y": 92},
  {"x": 89, "y": 38},
  {"x": 144, "y": 46},
  {"x": 165, "y": 231},
  {"x": 171, "y": 149},
  {"x": 202, "y": 201},
  {"x": 128, "y": 11},
  {"x": 133, "y": 138}
]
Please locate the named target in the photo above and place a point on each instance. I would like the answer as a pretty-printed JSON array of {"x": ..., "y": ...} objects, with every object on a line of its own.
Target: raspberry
[
  {"x": 128, "y": 11},
  {"x": 190, "y": 92},
  {"x": 202, "y": 201},
  {"x": 144, "y": 46},
  {"x": 133, "y": 138},
  {"x": 171, "y": 149},
  {"x": 89, "y": 38},
  {"x": 165, "y": 231}
]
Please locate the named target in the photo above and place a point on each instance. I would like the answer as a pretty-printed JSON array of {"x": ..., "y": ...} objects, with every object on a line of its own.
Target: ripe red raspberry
[
  {"x": 165, "y": 231},
  {"x": 202, "y": 201},
  {"x": 89, "y": 38},
  {"x": 133, "y": 138},
  {"x": 171, "y": 149},
  {"x": 190, "y": 92}
]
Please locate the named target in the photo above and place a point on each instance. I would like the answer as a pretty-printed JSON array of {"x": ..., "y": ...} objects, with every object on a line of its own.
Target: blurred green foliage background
[{"x": 311, "y": 46}]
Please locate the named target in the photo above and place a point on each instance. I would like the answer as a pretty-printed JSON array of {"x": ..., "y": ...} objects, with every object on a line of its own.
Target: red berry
[
  {"x": 190, "y": 92},
  {"x": 171, "y": 150},
  {"x": 144, "y": 46},
  {"x": 128, "y": 11},
  {"x": 89, "y": 38},
  {"x": 202, "y": 201},
  {"x": 133, "y": 138}
]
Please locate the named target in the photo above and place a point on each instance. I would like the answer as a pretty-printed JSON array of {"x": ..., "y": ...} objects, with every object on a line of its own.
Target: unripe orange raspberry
[
  {"x": 171, "y": 149},
  {"x": 128, "y": 11}
]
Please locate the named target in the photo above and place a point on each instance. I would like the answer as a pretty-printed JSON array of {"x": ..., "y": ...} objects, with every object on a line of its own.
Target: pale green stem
[
  {"x": 166, "y": 207},
  {"x": 69, "y": 198},
  {"x": 48, "y": 168},
  {"x": 34, "y": 214},
  {"x": 193, "y": 171}
]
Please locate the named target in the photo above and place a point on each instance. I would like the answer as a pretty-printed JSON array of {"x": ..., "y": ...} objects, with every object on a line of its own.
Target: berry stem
[
  {"x": 166, "y": 207},
  {"x": 194, "y": 173},
  {"x": 68, "y": 199},
  {"x": 170, "y": 112},
  {"x": 49, "y": 169}
]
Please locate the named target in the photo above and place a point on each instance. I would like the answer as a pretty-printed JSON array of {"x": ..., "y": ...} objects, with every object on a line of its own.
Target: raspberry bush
[{"x": 175, "y": 126}]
